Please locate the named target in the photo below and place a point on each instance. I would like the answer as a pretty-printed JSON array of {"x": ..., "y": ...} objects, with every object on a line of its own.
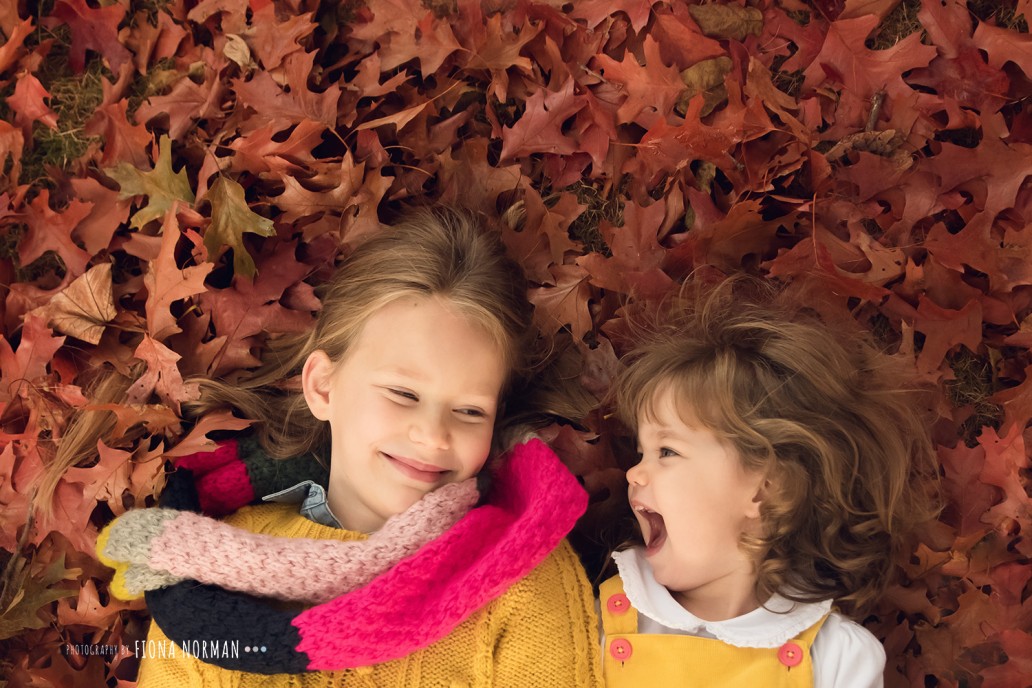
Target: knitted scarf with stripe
[{"x": 533, "y": 504}]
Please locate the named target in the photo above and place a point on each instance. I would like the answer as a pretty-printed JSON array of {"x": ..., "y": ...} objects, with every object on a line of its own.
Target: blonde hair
[
  {"x": 828, "y": 419},
  {"x": 442, "y": 252}
]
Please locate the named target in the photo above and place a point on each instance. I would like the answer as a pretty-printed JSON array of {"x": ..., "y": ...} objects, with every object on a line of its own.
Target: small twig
[{"x": 876, "y": 106}]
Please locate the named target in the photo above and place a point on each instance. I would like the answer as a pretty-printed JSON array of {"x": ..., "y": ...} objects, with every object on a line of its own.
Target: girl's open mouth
[{"x": 655, "y": 530}]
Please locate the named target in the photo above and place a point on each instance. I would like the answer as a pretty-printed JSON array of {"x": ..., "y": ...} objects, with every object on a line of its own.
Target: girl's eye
[
  {"x": 471, "y": 412},
  {"x": 666, "y": 451},
  {"x": 404, "y": 394}
]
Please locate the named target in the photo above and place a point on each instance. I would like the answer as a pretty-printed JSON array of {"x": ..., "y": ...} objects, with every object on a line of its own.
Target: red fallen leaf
[
  {"x": 94, "y": 29},
  {"x": 107, "y": 212},
  {"x": 123, "y": 142},
  {"x": 666, "y": 149},
  {"x": 960, "y": 72},
  {"x": 162, "y": 377},
  {"x": 1004, "y": 460},
  {"x": 273, "y": 40},
  {"x": 680, "y": 41},
  {"x": 14, "y": 499},
  {"x": 652, "y": 88},
  {"x": 594, "y": 12},
  {"x": 945, "y": 329},
  {"x": 260, "y": 153},
  {"x": 24, "y": 372},
  {"x": 864, "y": 72},
  {"x": 150, "y": 43},
  {"x": 51, "y": 231},
  {"x": 466, "y": 176},
  {"x": 10, "y": 50},
  {"x": 337, "y": 192},
  {"x": 636, "y": 254},
  {"x": 1017, "y": 402},
  {"x": 540, "y": 129},
  {"x": 1014, "y": 673},
  {"x": 543, "y": 239},
  {"x": 251, "y": 308},
  {"x": 197, "y": 439},
  {"x": 188, "y": 102},
  {"x": 969, "y": 496},
  {"x": 88, "y": 610},
  {"x": 812, "y": 259},
  {"x": 565, "y": 304},
  {"x": 27, "y": 103},
  {"x": 500, "y": 50},
  {"x": 11, "y": 145},
  {"x": 167, "y": 283},
  {"x": 280, "y": 108},
  {"x": 1003, "y": 45},
  {"x": 106, "y": 480}
]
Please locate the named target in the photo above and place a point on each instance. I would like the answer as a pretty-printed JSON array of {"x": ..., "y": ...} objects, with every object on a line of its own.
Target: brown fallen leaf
[
  {"x": 705, "y": 77},
  {"x": 84, "y": 308},
  {"x": 727, "y": 21}
]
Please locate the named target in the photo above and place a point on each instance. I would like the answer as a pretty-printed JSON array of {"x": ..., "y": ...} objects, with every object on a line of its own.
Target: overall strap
[{"x": 618, "y": 616}]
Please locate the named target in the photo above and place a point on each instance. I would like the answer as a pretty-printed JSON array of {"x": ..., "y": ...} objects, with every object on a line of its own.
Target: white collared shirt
[{"x": 845, "y": 654}]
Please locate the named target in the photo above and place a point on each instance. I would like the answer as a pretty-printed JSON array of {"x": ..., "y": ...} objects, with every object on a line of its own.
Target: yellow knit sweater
[{"x": 539, "y": 634}]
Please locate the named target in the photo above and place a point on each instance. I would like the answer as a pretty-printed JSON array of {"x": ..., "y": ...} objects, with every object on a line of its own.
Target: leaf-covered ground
[{"x": 175, "y": 175}]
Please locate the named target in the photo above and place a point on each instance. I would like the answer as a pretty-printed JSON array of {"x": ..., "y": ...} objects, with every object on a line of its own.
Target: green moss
[
  {"x": 1001, "y": 13},
  {"x": 973, "y": 385},
  {"x": 601, "y": 207},
  {"x": 898, "y": 24},
  {"x": 74, "y": 98}
]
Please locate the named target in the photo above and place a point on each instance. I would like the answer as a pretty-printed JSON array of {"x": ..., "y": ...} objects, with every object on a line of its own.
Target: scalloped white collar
[{"x": 772, "y": 625}]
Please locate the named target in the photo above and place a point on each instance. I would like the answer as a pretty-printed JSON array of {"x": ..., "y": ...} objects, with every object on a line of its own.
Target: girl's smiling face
[
  {"x": 693, "y": 500},
  {"x": 411, "y": 408}
]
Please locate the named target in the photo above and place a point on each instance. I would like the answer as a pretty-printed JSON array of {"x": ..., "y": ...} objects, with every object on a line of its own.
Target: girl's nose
[
  {"x": 430, "y": 429},
  {"x": 636, "y": 475}
]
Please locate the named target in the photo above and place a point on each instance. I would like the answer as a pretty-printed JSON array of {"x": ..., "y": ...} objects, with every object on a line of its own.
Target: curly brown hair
[{"x": 831, "y": 421}]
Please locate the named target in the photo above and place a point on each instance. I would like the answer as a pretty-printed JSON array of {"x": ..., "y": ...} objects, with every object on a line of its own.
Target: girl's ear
[
  {"x": 762, "y": 490},
  {"x": 316, "y": 381}
]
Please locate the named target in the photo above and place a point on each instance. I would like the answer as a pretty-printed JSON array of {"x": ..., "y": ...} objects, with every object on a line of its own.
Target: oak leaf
[
  {"x": 162, "y": 376},
  {"x": 48, "y": 230},
  {"x": 273, "y": 40},
  {"x": 653, "y": 88},
  {"x": 163, "y": 188},
  {"x": 594, "y": 12},
  {"x": 565, "y": 304},
  {"x": 283, "y": 106},
  {"x": 540, "y": 129},
  {"x": 27, "y": 103},
  {"x": 945, "y": 329},
  {"x": 16, "y": 36},
  {"x": 1002, "y": 46},
  {"x": 37, "y": 591},
  {"x": 123, "y": 141},
  {"x": 230, "y": 218},
  {"x": 94, "y": 29},
  {"x": 167, "y": 283},
  {"x": 107, "y": 213}
]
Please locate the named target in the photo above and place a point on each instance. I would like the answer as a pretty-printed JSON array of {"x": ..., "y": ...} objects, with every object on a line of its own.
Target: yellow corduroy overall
[{"x": 637, "y": 660}]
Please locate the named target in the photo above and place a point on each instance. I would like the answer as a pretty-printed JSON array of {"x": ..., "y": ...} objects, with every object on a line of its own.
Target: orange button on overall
[
  {"x": 618, "y": 603},
  {"x": 620, "y": 649},
  {"x": 790, "y": 654}
]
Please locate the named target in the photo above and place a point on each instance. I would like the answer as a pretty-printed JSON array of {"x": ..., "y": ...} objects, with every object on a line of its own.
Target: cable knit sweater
[{"x": 540, "y": 633}]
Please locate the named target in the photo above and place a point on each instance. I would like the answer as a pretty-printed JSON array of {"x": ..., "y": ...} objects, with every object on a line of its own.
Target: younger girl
[
  {"x": 777, "y": 461},
  {"x": 403, "y": 389}
]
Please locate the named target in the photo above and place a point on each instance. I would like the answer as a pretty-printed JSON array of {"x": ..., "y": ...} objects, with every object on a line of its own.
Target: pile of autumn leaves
[{"x": 878, "y": 150}]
